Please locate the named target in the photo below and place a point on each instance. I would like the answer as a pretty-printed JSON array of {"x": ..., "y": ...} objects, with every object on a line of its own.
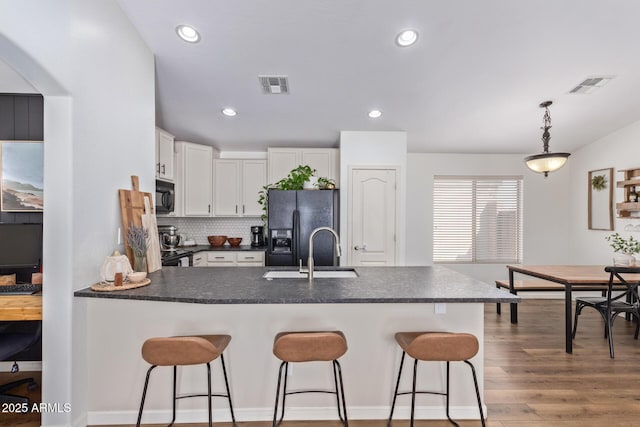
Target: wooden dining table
[{"x": 568, "y": 275}]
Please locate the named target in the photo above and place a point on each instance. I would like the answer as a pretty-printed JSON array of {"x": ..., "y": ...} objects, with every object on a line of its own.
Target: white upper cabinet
[
  {"x": 236, "y": 186},
  {"x": 326, "y": 161},
  {"x": 254, "y": 177},
  {"x": 164, "y": 155},
  {"x": 195, "y": 177}
]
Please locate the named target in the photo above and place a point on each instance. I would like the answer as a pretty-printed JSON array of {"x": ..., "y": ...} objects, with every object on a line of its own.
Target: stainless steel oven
[{"x": 177, "y": 258}]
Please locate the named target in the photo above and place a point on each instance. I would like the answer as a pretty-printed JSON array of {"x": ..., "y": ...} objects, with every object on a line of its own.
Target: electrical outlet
[{"x": 440, "y": 308}]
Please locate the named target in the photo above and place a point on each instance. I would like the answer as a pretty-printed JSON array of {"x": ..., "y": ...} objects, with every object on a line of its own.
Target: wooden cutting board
[
  {"x": 154, "y": 261},
  {"x": 132, "y": 209}
]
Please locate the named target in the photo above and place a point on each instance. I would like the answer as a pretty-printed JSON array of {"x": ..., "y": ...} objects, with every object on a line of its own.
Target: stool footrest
[
  {"x": 186, "y": 396},
  {"x": 310, "y": 391},
  {"x": 439, "y": 393}
]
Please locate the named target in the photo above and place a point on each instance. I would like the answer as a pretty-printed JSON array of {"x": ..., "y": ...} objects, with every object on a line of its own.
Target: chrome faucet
[{"x": 310, "y": 261}]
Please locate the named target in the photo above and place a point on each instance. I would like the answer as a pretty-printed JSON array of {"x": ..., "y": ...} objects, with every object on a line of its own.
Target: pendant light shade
[{"x": 546, "y": 162}]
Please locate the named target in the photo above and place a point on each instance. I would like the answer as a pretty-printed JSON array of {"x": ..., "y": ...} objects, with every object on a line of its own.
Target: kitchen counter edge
[{"x": 245, "y": 285}]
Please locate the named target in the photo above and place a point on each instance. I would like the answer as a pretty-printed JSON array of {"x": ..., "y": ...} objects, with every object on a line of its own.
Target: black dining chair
[
  {"x": 10, "y": 345},
  {"x": 610, "y": 306}
]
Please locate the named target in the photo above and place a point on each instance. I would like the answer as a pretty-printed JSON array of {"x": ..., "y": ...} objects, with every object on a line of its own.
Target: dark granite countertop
[
  {"x": 200, "y": 248},
  {"x": 245, "y": 285}
]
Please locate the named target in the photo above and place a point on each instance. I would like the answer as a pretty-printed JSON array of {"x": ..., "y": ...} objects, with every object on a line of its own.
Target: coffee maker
[{"x": 257, "y": 235}]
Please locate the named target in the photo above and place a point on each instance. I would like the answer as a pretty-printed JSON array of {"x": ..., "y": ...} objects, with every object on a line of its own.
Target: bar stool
[
  {"x": 441, "y": 347},
  {"x": 310, "y": 347},
  {"x": 182, "y": 351}
]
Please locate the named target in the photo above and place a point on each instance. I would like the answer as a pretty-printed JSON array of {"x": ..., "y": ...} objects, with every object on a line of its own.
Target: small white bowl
[{"x": 137, "y": 276}]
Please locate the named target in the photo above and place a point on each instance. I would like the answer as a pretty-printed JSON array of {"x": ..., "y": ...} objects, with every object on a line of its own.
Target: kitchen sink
[{"x": 344, "y": 273}]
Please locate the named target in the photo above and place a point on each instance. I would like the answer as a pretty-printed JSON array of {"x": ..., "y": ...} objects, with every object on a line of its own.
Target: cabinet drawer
[
  {"x": 253, "y": 256},
  {"x": 199, "y": 260},
  {"x": 222, "y": 257}
]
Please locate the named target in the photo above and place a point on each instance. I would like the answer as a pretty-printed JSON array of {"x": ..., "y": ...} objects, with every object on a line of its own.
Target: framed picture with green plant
[{"x": 600, "y": 214}]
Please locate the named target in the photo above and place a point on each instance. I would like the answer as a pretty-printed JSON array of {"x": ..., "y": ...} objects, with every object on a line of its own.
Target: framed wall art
[
  {"x": 22, "y": 176},
  {"x": 601, "y": 199}
]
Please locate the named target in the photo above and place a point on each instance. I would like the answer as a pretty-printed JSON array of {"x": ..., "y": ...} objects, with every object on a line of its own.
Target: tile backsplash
[{"x": 200, "y": 228}]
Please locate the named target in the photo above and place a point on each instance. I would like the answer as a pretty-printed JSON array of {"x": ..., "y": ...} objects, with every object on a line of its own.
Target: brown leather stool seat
[
  {"x": 310, "y": 347},
  {"x": 439, "y": 347},
  {"x": 185, "y": 351},
  {"x": 189, "y": 350}
]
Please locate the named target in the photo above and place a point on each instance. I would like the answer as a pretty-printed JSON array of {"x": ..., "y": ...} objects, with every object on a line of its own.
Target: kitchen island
[{"x": 369, "y": 309}]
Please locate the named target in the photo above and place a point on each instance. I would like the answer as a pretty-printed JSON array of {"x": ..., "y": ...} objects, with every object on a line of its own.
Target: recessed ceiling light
[
  {"x": 229, "y": 112},
  {"x": 374, "y": 114},
  {"x": 188, "y": 33},
  {"x": 406, "y": 38}
]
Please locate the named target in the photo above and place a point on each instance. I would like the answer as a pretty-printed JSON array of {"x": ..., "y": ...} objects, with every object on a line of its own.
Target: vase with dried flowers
[{"x": 137, "y": 239}]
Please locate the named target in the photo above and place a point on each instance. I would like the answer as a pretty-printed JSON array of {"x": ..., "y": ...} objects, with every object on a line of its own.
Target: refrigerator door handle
[{"x": 296, "y": 235}]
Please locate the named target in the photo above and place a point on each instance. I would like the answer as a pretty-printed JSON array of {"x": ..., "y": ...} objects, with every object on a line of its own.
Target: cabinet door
[
  {"x": 197, "y": 179},
  {"x": 226, "y": 201},
  {"x": 324, "y": 161},
  {"x": 21, "y": 117},
  {"x": 254, "y": 176},
  {"x": 164, "y": 155},
  {"x": 281, "y": 162},
  {"x": 6, "y": 118},
  {"x": 200, "y": 259}
]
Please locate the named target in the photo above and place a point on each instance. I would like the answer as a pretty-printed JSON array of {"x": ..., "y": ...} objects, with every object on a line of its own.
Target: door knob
[{"x": 360, "y": 248}]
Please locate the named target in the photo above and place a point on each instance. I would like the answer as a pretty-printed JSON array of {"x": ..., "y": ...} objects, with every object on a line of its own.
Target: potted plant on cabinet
[
  {"x": 624, "y": 248},
  {"x": 302, "y": 177}
]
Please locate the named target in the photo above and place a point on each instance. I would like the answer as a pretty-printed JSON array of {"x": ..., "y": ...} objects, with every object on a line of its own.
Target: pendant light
[{"x": 546, "y": 162}]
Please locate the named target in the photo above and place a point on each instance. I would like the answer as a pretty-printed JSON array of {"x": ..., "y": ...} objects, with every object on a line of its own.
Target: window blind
[{"x": 477, "y": 219}]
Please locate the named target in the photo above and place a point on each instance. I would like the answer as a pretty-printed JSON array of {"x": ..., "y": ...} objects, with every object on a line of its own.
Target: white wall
[
  {"x": 372, "y": 149},
  {"x": 619, "y": 150},
  {"x": 97, "y": 77},
  {"x": 546, "y": 213}
]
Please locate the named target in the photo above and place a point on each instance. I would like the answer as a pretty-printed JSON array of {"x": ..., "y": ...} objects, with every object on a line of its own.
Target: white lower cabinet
[
  {"x": 229, "y": 259},
  {"x": 200, "y": 259},
  {"x": 250, "y": 259}
]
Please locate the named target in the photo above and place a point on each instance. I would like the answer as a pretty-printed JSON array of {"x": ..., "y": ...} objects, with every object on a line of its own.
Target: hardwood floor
[{"x": 529, "y": 379}]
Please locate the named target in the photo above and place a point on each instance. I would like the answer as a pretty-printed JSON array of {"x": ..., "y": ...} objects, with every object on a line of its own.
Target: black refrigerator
[{"x": 292, "y": 216}]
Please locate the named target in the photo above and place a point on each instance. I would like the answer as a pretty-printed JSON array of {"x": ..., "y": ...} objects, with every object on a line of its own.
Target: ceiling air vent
[
  {"x": 274, "y": 85},
  {"x": 590, "y": 84}
]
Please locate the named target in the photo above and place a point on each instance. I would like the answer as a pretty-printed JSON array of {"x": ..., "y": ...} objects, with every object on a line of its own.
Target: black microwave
[{"x": 165, "y": 197}]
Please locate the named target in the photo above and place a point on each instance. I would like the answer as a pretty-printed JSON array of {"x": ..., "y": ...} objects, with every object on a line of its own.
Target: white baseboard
[
  {"x": 26, "y": 366},
  {"x": 266, "y": 414}
]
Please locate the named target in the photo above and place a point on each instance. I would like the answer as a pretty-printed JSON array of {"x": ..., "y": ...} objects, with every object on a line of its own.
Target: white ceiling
[{"x": 471, "y": 84}]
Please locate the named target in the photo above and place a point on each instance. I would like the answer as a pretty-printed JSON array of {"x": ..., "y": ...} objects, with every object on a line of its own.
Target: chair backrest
[
  {"x": 622, "y": 275},
  {"x": 13, "y": 343}
]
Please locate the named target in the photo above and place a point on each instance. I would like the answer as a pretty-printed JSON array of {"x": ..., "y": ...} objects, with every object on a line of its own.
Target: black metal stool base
[
  {"x": 337, "y": 375},
  {"x": 209, "y": 394},
  {"x": 413, "y": 392}
]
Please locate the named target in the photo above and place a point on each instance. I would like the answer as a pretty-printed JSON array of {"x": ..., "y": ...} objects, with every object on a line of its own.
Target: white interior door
[{"x": 373, "y": 216}]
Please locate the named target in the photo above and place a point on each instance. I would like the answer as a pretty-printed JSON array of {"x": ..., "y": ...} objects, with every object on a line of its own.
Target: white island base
[{"x": 116, "y": 329}]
